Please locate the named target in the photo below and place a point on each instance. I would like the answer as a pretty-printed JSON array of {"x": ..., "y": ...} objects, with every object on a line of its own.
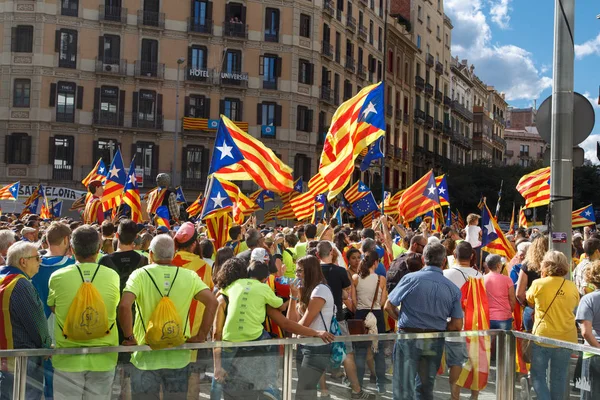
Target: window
[
  {"x": 266, "y": 114},
  {"x": 105, "y": 149},
  {"x": 201, "y": 20},
  {"x": 197, "y": 106},
  {"x": 416, "y": 136},
  {"x": 304, "y": 120},
  {"x": 147, "y": 106},
  {"x": 197, "y": 58},
  {"x": 418, "y": 41},
  {"x": 438, "y": 33},
  {"x": 390, "y": 64},
  {"x": 380, "y": 39},
  {"x": 272, "y": 25},
  {"x": 371, "y": 32},
  {"x": 270, "y": 68},
  {"x": 439, "y": 5},
  {"x": 305, "y": 72},
  {"x": 232, "y": 109},
  {"x": 336, "y": 89},
  {"x": 524, "y": 150},
  {"x": 428, "y": 22},
  {"x": 372, "y": 4},
  {"x": 146, "y": 158},
  {"x": 149, "y": 58},
  {"x": 22, "y": 39},
  {"x": 61, "y": 154},
  {"x": 196, "y": 160},
  {"x": 406, "y": 72},
  {"x": 233, "y": 61},
  {"x": 338, "y": 47},
  {"x": 302, "y": 167},
  {"x": 347, "y": 89},
  {"x": 106, "y": 107},
  {"x": 426, "y": 141},
  {"x": 109, "y": 49},
  {"x": 420, "y": 13},
  {"x": 22, "y": 93},
  {"x": 18, "y": 148},
  {"x": 381, "y": 8},
  {"x": 360, "y": 19},
  {"x": 304, "y": 25},
  {"x": 66, "y": 46},
  {"x": 65, "y": 102},
  {"x": 69, "y": 7}
]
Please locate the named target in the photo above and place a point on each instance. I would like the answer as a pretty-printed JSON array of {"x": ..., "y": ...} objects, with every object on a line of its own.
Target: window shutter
[
  {"x": 261, "y": 65},
  {"x": 96, "y": 104},
  {"x": 13, "y": 39},
  {"x": 122, "y": 108},
  {"x": 221, "y": 107},
  {"x": 95, "y": 151},
  {"x": 278, "y": 66},
  {"x": 101, "y": 48},
  {"x": 155, "y": 160},
  {"x": 311, "y": 73},
  {"x": 243, "y": 14},
  {"x": 309, "y": 125},
  {"x": 159, "y": 105},
  {"x": 57, "y": 41},
  {"x": 79, "y": 97},
  {"x": 209, "y": 7},
  {"x": 241, "y": 116},
  {"x": 259, "y": 114},
  {"x": 299, "y": 118},
  {"x": 134, "y": 109},
  {"x": 207, "y": 107},
  {"x": 27, "y": 144},
  {"x": 278, "y": 113},
  {"x": 51, "y": 151},
  {"x": 186, "y": 108},
  {"x": 8, "y": 149},
  {"x": 52, "y": 101}
]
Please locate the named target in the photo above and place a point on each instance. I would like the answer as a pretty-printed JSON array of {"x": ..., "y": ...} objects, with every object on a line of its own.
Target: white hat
[{"x": 259, "y": 254}]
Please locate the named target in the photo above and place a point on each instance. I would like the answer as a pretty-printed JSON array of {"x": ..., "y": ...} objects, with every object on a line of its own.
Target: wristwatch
[{"x": 130, "y": 337}]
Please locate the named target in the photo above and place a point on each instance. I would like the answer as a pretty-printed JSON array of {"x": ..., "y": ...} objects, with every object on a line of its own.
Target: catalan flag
[
  {"x": 375, "y": 152},
  {"x": 97, "y": 173},
  {"x": 38, "y": 192},
  {"x": 390, "y": 205},
  {"x": 271, "y": 215},
  {"x": 511, "y": 231},
  {"x": 492, "y": 238},
  {"x": 31, "y": 208},
  {"x": 419, "y": 198},
  {"x": 442, "y": 186},
  {"x": 56, "y": 209},
  {"x": 241, "y": 202},
  {"x": 286, "y": 212},
  {"x": 216, "y": 199},
  {"x": 583, "y": 217},
  {"x": 535, "y": 188},
  {"x": 115, "y": 183},
  {"x": 251, "y": 156},
  {"x": 298, "y": 187},
  {"x": 162, "y": 217},
  {"x": 180, "y": 196},
  {"x": 195, "y": 208},
  {"x": 303, "y": 204},
  {"x": 356, "y": 124},
  {"x": 79, "y": 204},
  {"x": 356, "y": 192},
  {"x": 10, "y": 192},
  {"x": 461, "y": 221},
  {"x": 367, "y": 220},
  {"x": 217, "y": 226},
  {"x": 131, "y": 195},
  {"x": 522, "y": 218}
]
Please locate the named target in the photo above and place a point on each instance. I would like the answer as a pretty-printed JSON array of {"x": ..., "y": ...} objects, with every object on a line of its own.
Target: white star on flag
[
  {"x": 490, "y": 227},
  {"x": 442, "y": 190},
  {"x": 431, "y": 189},
  {"x": 363, "y": 187},
  {"x": 370, "y": 108},
  {"x": 114, "y": 171},
  {"x": 101, "y": 170},
  {"x": 225, "y": 150},
  {"x": 320, "y": 197},
  {"x": 132, "y": 179},
  {"x": 13, "y": 189},
  {"x": 588, "y": 213},
  {"x": 218, "y": 200}
]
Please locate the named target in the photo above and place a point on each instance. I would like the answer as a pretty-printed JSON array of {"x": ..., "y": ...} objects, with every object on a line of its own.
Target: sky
[{"x": 510, "y": 42}]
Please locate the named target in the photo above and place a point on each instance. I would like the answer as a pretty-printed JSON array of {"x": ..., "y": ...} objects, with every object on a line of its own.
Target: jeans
[
  {"x": 591, "y": 370},
  {"x": 48, "y": 378},
  {"x": 311, "y": 363},
  {"x": 505, "y": 325},
  {"x": 558, "y": 358},
  {"x": 34, "y": 385},
  {"x": 87, "y": 385},
  {"x": 528, "y": 319},
  {"x": 146, "y": 384},
  {"x": 416, "y": 362},
  {"x": 361, "y": 349}
]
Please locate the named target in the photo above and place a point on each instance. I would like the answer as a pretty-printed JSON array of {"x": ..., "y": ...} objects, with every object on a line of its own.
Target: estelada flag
[
  {"x": 492, "y": 237},
  {"x": 442, "y": 185},
  {"x": 97, "y": 173},
  {"x": 303, "y": 204},
  {"x": 584, "y": 216},
  {"x": 421, "y": 197},
  {"x": 217, "y": 225},
  {"x": 195, "y": 208},
  {"x": 10, "y": 192},
  {"x": 356, "y": 192},
  {"x": 7, "y": 285},
  {"x": 535, "y": 188}
]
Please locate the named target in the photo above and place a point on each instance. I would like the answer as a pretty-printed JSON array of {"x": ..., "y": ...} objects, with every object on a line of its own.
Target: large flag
[
  {"x": 583, "y": 217},
  {"x": 375, "y": 152},
  {"x": 79, "y": 204},
  {"x": 367, "y": 220},
  {"x": 522, "y": 218},
  {"x": 286, "y": 212},
  {"x": 216, "y": 199},
  {"x": 254, "y": 160},
  {"x": 364, "y": 206},
  {"x": 442, "y": 186},
  {"x": 271, "y": 215},
  {"x": 390, "y": 205},
  {"x": 356, "y": 124},
  {"x": 131, "y": 195},
  {"x": 38, "y": 192},
  {"x": 535, "y": 188},
  {"x": 162, "y": 217},
  {"x": 195, "y": 208},
  {"x": 56, "y": 210},
  {"x": 241, "y": 202},
  {"x": 356, "y": 192},
  {"x": 419, "y": 198},
  {"x": 217, "y": 226},
  {"x": 97, "y": 173},
  {"x": 115, "y": 183},
  {"x": 10, "y": 192},
  {"x": 492, "y": 238}
]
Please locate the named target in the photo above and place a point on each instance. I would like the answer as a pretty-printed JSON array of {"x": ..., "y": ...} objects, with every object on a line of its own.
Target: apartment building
[
  {"x": 498, "y": 106},
  {"x": 81, "y": 79},
  {"x": 461, "y": 83},
  {"x": 482, "y": 122},
  {"x": 524, "y": 145}
]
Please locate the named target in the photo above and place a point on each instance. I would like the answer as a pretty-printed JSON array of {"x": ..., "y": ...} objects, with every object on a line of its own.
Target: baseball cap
[
  {"x": 259, "y": 254},
  {"x": 185, "y": 233},
  {"x": 162, "y": 229}
]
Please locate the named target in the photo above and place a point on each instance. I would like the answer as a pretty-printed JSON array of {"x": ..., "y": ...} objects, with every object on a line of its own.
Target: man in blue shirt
[{"x": 428, "y": 300}]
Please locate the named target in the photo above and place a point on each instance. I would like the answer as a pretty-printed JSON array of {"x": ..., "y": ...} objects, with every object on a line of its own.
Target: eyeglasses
[
  {"x": 299, "y": 270},
  {"x": 37, "y": 257}
]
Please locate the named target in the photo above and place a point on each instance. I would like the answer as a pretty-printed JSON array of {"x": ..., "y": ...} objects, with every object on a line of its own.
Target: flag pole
[{"x": 385, "y": 33}]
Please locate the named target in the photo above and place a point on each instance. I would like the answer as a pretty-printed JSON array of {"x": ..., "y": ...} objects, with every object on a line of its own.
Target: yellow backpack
[
  {"x": 164, "y": 328},
  {"x": 87, "y": 317}
]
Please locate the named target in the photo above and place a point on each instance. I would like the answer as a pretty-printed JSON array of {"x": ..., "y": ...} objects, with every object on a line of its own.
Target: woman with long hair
[
  {"x": 311, "y": 305},
  {"x": 530, "y": 271},
  {"x": 223, "y": 254},
  {"x": 369, "y": 293}
]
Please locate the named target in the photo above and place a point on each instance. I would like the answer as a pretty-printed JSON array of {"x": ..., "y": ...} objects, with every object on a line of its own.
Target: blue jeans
[
  {"x": 146, "y": 384},
  {"x": 311, "y": 363},
  {"x": 590, "y": 369},
  {"x": 361, "y": 349},
  {"x": 505, "y": 325},
  {"x": 558, "y": 359},
  {"x": 416, "y": 362},
  {"x": 33, "y": 386},
  {"x": 528, "y": 319}
]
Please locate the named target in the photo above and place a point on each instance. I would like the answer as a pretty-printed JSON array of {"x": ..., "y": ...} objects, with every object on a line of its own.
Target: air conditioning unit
[{"x": 111, "y": 68}]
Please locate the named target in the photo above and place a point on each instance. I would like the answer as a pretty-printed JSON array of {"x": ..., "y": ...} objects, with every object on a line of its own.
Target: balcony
[
  {"x": 438, "y": 126},
  {"x": 524, "y": 154},
  {"x": 362, "y": 71},
  {"x": 406, "y": 116},
  {"x": 419, "y": 116},
  {"x": 151, "y": 19},
  {"x": 350, "y": 64},
  {"x": 326, "y": 94},
  {"x": 338, "y": 14},
  {"x": 509, "y": 153},
  {"x": 69, "y": 11},
  {"x": 194, "y": 74},
  {"x": 429, "y": 60},
  {"x": 138, "y": 120},
  {"x": 201, "y": 27},
  {"x": 362, "y": 33},
  {"x": 439, "y": 68},
  {"x": 461, "y": 140},
  {"x": 338, "y": 56},
  {"x": 236, "y": 79},
  {"x": 198, "y": 182},
  {"x": 147, "y": 69},
  {"x": 327, "y": 50},
  {"x": 237, "y": 30},
  {"x": 272, "y": 37},
  {"x": 351, "y": 24},
  {"x": 328, "y": 7},
  {"x": 398, "y": 115},
  {"x": 499, "y": 141},
  {"x": 389, "y": 150},
  {"x": 462, "y": 111},
  {"x": 428, "y": 89},
  {"x": 62, "y": 172},
  {"x": 363, "y": 2},
  {"x": 110, "y": 66},
  {"x": 447, "y": 102},
  {"x": 439, "y": 96},
  {"x": 429, "y": 122},
  {"x": 107, "y": 118},
  {"x": 447, "y": 129},
  {"x": 389, "y": 110},
  {"x": 499, "y": 119},
  {"x": 419, "y": 83},
  {"x": 113, "y": 14}
]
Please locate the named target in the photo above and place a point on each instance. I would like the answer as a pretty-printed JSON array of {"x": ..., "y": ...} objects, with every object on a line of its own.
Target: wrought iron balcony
[
  {"x": 146, "y": 69},
  {"x": 406, "y": 116},
  {"x": 438, "y": 126},
  {"x": 429, "y": 60},
  {"x": 144, "y": 122},
  {"x": 439, "y": 96},
  {"x": 351, "y": 23},
  {"x": 362, "y": 71},
  {"x": 419, "y": 116},
  {"x": 419, "y": 83},
  {"x": 237, "y": 30},
  {"x": 113, "y": 14},
  {"x": 447, "y": 101},
  {"x": 428, "y": 89},
  {"x": 107, "y": 118},
  {"x": 326, "y": 94},
  {"x": 462, "y": 111},
  {"x": 338, "y": 14},
  {"x": 439, "y": 68},
  {"x": 350, "y": 64},
  {"x": 499, "y": 141},
  {"x": 327, "y": 50},
  {"x": 398, "y": 115},
  {"x": 389, "y": 110},
  {"x": 328, "y": 7},
  {"x": 447, "y": 130},
  {"x": 151, "y": 18},
  {"x": 202, "y": 27},
  {"x": 429, "y": 122},
  {"x": 362, "y": 32}
]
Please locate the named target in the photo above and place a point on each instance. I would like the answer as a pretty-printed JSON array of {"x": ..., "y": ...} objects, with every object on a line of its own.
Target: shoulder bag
[{"x": 357, "y": 326}]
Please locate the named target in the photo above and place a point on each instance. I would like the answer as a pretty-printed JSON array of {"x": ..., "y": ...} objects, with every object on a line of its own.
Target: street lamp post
[{"x": 175, "y": 180}]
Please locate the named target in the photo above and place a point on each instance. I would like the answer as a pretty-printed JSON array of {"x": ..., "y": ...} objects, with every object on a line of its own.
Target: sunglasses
[{"x": 37, "y": 257}]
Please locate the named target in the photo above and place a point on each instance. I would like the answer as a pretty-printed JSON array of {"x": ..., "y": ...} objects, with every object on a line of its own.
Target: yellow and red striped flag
[
  {"x": 356, "y": 192},
  {"x": 217, "y": 226},
  {"x": 115, "y": 183},
  {"x": 131, "y": 195},
  {"x": 535, "y": 188},
  {"x": 522, "y": 218},
  {"x": 419, "y": 198},
  {"x": 390, "y": 205},
  {"x": 584, "y": 216},
  {"x": 492, "y": 237},
  {"x": 271, "y": 215},
  {"x": 97, "y": 173},
  {"x": 460, "y": 221},
  {"x": 442, "y": 185},
  {"x": 356, "y": 124},
  {"x": 367, "y": 220},
  {"x": 195, "y": 208},
  {"x": 286, "y": 212},
  {"x": 303, "y": 204},
  {"x": 511, "y": 231},
  {"x": 241, "y": 202},
  {"x": 10, "y": 192}
]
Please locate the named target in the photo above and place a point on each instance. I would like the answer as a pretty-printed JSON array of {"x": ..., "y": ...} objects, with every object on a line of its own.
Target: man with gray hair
[
  {"x": 428, "y": 300},
  {"x": 23, "y": 316},
  {"x": 163, "y": 196},
  {"x": 7, "y": 238},
  {"x": 87, "y": 375},
  {"x": 146, "y": 286}
]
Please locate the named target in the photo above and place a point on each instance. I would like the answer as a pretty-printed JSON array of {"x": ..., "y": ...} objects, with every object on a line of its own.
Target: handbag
[
  {"x": 357, "y": 326},
  {"x": 527, "y": 344},
  {"x": 338, "y": 349}
]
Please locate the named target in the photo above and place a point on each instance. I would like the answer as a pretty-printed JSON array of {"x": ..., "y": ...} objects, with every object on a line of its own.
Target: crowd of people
[{"x": 313, "y": 280}]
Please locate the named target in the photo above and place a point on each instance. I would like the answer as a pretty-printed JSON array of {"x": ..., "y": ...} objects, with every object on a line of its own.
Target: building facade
[
  {"x": 498, "y": 107},
  {"x": 482, "y": 122},
  {"x": 524, "y": 145},
  {"x": 461, "y": 84},
  {"x": 82, "y": 79}
]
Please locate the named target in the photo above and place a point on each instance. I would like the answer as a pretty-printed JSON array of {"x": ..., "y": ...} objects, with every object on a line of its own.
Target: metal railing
[
  {"x": 439, "y": 67},
  {"x": 328, "y": 7},
  {"x": 350, "y": 64},
  {"x": 204, "y": 27},
  {"x": 113, "y": 14},
  {"x": 351, "y": 23},
  {"x": 148, "y": 69},
  {"x": 362, "y": 71},
  {"x": 236, "y": 30},
  {"x": 327, "y": 50},
  {"x": 429, "y": 89},
  {"x": 151, "y": 18},
  {"x": 429, "y": 60},
  {"x": 362, "y": 32}
]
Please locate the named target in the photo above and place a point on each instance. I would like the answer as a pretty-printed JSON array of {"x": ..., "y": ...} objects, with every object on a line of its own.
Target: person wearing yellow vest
[
  {"x": 163, "y": 196},
  {"x": 187, "y": 247},
  {"x": 94, "y": 212}
]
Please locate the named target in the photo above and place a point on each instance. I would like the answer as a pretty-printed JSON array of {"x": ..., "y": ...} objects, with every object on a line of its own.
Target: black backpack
[{"x": 398, "y": 269}]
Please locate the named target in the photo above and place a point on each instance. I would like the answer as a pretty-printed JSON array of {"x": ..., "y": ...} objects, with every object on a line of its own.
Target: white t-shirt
[
  {"x": 473, "y": 235},
  {"x": 328, "y": 310},
  {"x": 454, "y": 274}
]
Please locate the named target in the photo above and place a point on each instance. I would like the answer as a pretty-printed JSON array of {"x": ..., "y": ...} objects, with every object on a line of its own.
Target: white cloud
[
  {"x": 499, "y": 11},
  {"x": 592, "y": 100},
  {"x": 590, "y": 47},
  {"x": 510, "y": 69},
  {"x": 589, "y": 146}
]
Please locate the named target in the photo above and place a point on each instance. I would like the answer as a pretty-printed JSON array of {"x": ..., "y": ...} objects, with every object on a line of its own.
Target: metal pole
[
  {"x": 561, "y": 161},
  {"x": 385, "y": 32},
  {"x": 288, "y": 355},
  {"x": 20, "y": 378},
  {"x": 175, "y": 181}
]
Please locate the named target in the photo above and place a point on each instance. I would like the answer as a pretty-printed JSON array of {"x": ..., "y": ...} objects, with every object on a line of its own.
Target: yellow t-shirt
[
  {"x": 288, "y": 260},
  {"x": 301, "y": 249},
  {"x": 184, "y": 289},
  {"x": 246, "y": 311},
  {"x": 559, "y": 322},
  {"x": 63, "y": 287}
]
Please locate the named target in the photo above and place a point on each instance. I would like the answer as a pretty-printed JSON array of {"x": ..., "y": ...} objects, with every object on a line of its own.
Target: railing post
[
  {"x": 20, "y": 378},
  {"x": 505, "y": 366},
  {"x": 288, "y": 357}
]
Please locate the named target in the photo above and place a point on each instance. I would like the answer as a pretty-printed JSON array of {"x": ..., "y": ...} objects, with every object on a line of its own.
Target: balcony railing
[
  {"x": 137, "y": 121},
  {"x": 439, "y": 68},
  {"x": 351, "y": 23},
  {"x": 203, "y": 27},
  {"x": 338, "y": 56},
  {"x": 419, "y": 116},
  {"x": 398, "y": 115},
  {"x": 62, "y": 173},
  {"x": 112, "y": 66},
  {"x": 350, "y": 64},
  {"x": 362, "y": 71},
  {"x": 406, "y": 116},
  {"x": 113, "y": 14},
  {"x": 338, "y": 14},
  {"x": 429, "y": 60},
  {"x": 499, "y": 141},
  {"x": 428, "y": 89},
  {"x": 447, "y": 130},
  {"x": 327, "y": 50},
  {"x": 147, "y": 69},
  {"x": 439, "y": 96},
  {"x": 447, "y": 101},
  {"x": 362, "y": 32},
  {"x": 107, "y": 118},
  {"x": 419, "y": 83},
  {"x": 271, "y": 37},
  {"x": 234, "y": 79},
  {"x": 151, "y": 18},
  {"x": 328, "y": 7},
  {"x": 429, "y": 121},
  {"x": 72, "y": 11},
  {"x": 389, "y": 110},
  {"x": 235, "y": 30},
  {"x": 461, "y": 140},
  {"x": 326, "y": 94},
  {"x": 66, "y": 63},
  {"x": 438, "y": 126},
  {"x": 462, "y": 110}
]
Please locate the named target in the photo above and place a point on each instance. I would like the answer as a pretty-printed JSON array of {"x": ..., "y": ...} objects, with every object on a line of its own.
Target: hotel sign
[
  {"x": 198, "y": 73},
  {"x": 236, "y": 76}
]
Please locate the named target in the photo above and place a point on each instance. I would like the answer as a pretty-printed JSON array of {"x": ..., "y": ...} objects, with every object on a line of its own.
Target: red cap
[{"x": 186, "y": 232}]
